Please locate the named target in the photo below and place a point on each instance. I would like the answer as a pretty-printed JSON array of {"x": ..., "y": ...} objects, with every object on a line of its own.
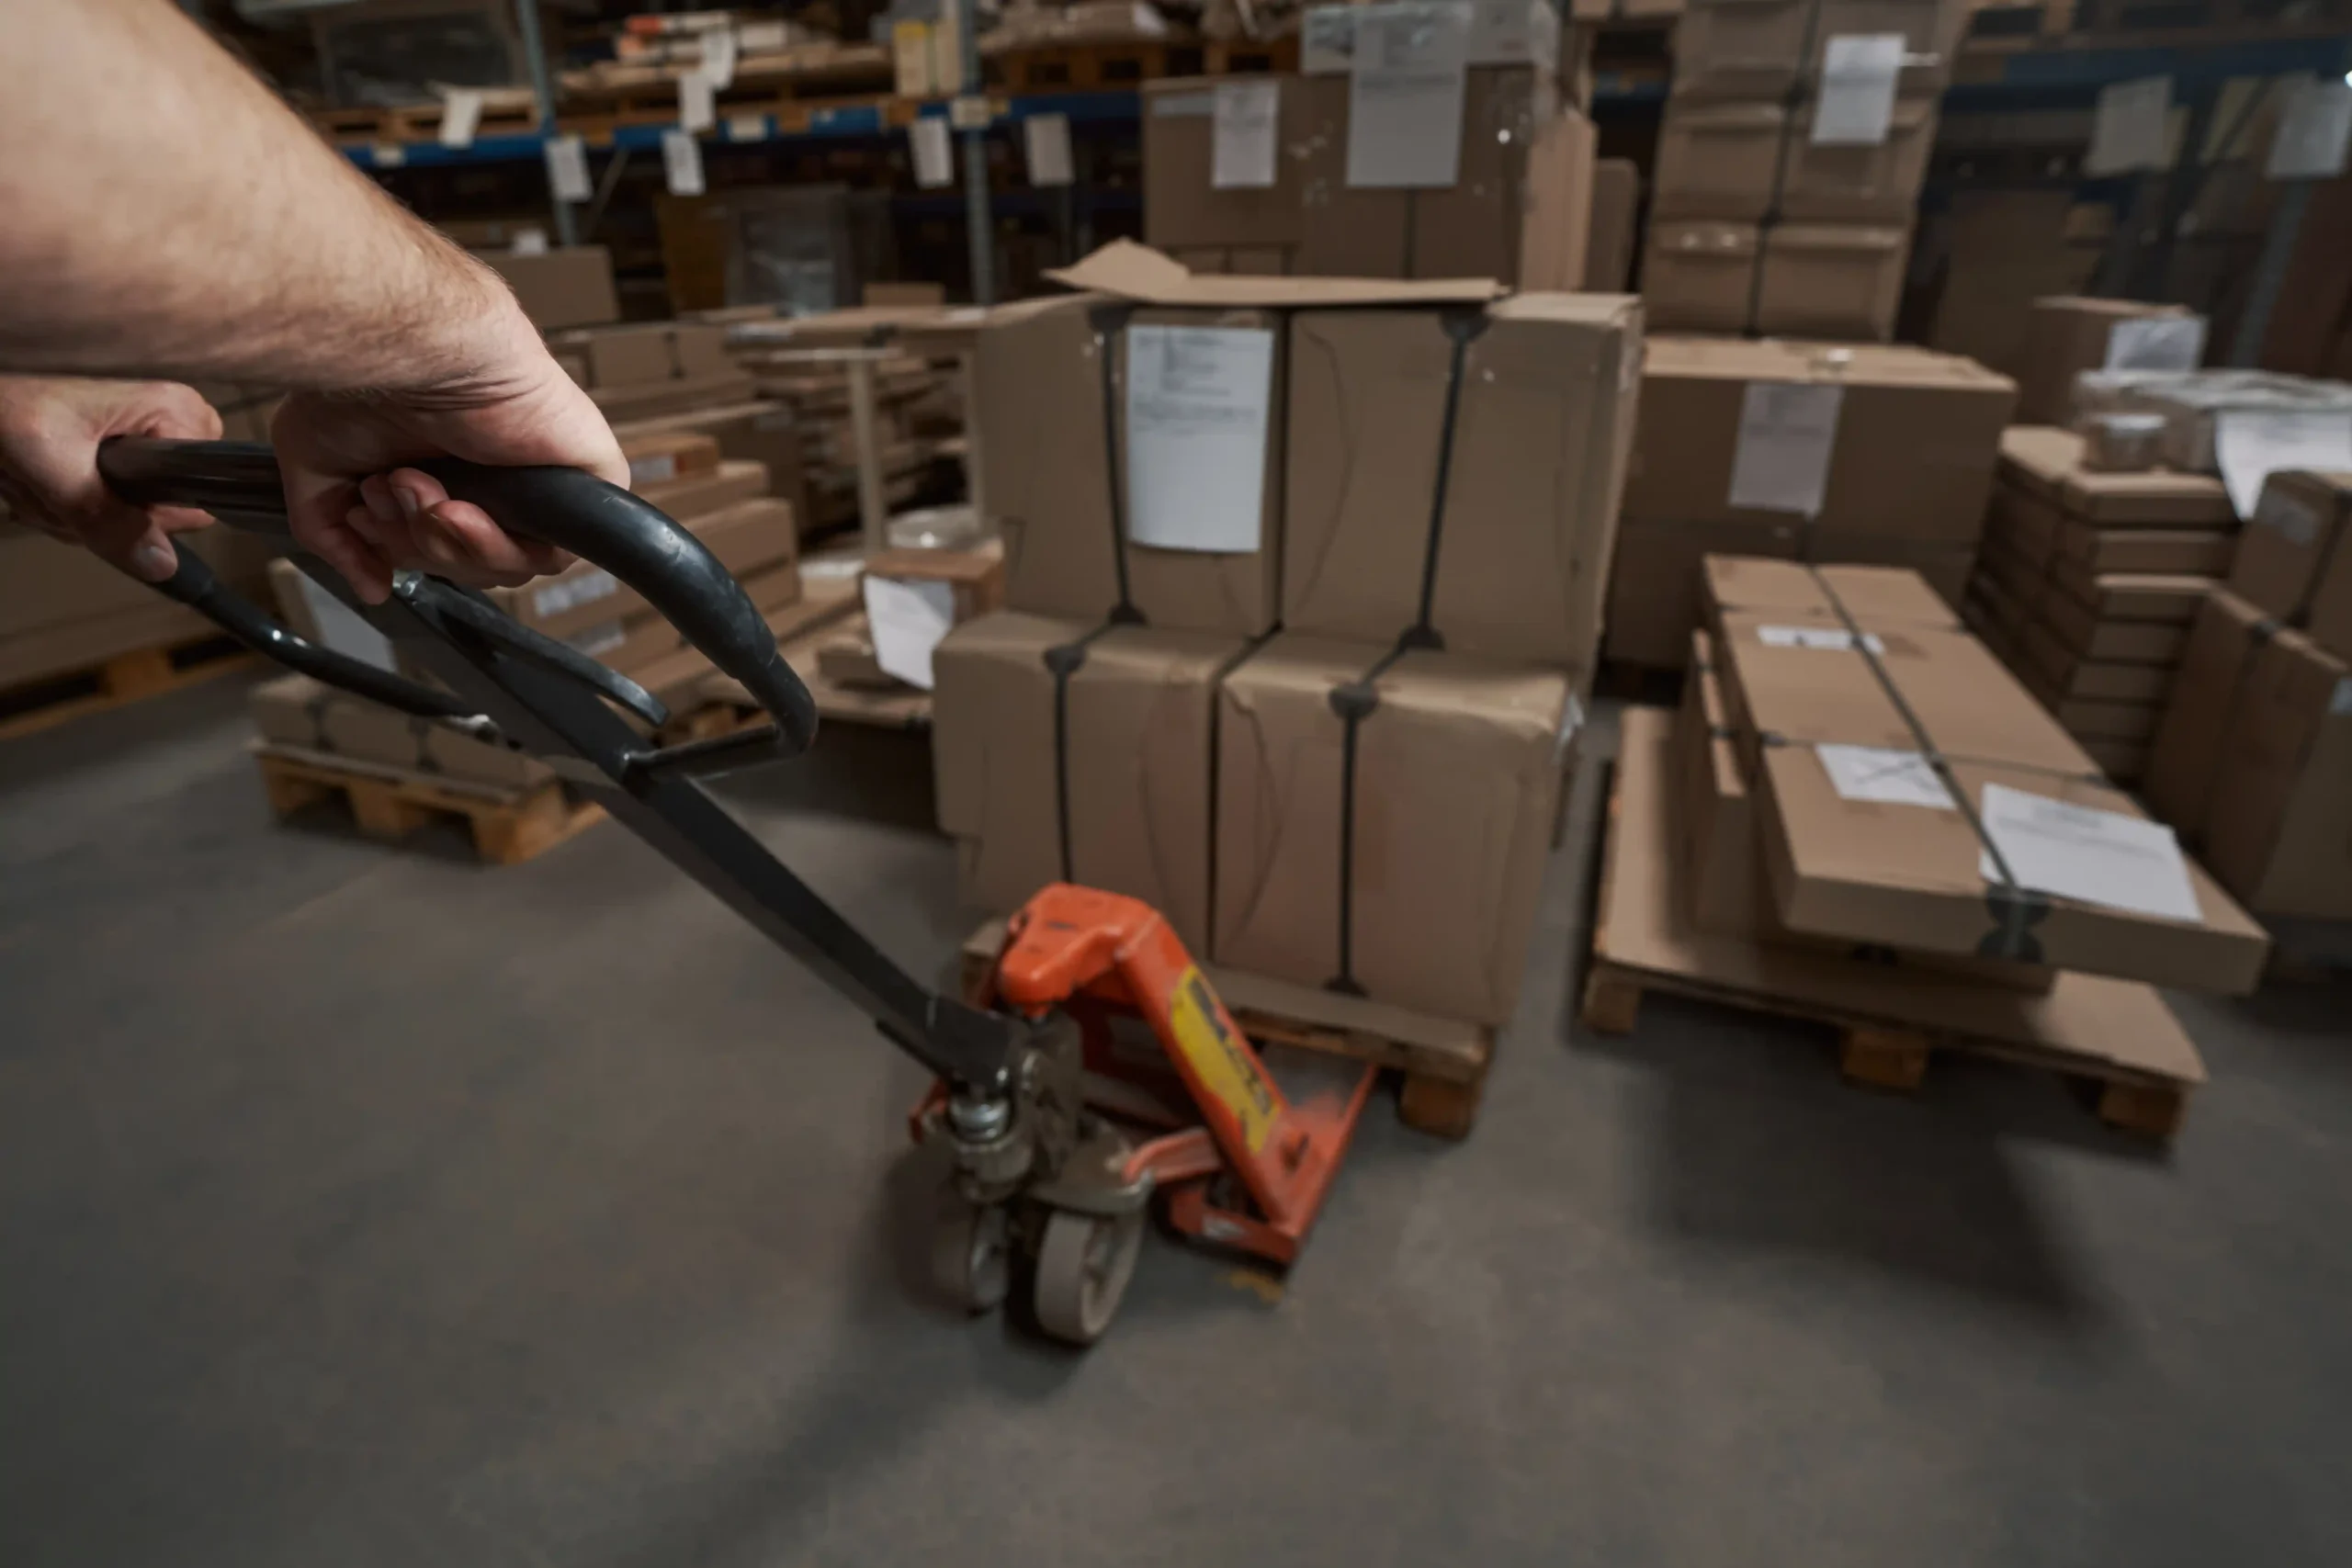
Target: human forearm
[{"x": 179, "y": 221}]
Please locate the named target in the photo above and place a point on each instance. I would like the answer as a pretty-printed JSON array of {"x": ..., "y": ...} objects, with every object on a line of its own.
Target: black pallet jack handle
[{"x": 538, "y": 695}]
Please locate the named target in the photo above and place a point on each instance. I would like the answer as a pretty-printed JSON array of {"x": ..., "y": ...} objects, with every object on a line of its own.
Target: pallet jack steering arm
[{"x": 514, "y": 685}]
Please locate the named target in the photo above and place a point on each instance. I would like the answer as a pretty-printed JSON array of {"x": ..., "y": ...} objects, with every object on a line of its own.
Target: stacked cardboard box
[
  {"x": 1305, "y": 581},
  {"x": 2067, "y": 334},
  {"x": 569, "y": 287},
  {"x": 1789, "y": 162},
  {"x": 1868, "y": 454},
  {"x": 64, "y": 612},
  {"x": 1418, "y": 141},
  {"x": 2269, "y": 410},
  {"x": 2087, "y": 583},
  {"x": 2253, "y": 759},
  {"x": 1858, "y": 771},
  {"x": 641, "y": 371}
]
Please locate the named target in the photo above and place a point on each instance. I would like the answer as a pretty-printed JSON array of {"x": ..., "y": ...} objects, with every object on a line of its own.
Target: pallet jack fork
[{"x": 1056, "y": 1128}]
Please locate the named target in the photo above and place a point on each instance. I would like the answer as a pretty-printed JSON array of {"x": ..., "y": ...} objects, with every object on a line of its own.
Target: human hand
[
  {"x": 351, "y": 503},
  {"x": 49, "y": 432}
]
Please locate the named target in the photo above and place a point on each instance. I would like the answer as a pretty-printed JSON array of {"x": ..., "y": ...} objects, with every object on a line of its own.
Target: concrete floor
[{"x": 366, "y": 1207}]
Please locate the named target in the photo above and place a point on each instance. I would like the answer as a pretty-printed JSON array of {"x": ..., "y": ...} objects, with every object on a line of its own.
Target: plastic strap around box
[
  {"x": 1461, "y": 327},
  {"x": 1062, "y": 662},
  {"x": 1354, "y": 702},
  {"x": 1110, "y": 322}
]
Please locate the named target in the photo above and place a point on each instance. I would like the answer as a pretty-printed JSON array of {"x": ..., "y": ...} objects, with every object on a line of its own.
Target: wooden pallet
[
  {"x": 514, "y": 112},
  {"x": 2115, "y": 1037},
  {"x": 1441, "y": 1064},
  {"x": 1051, "y": 68},
  {"x": 53, "y": 699},
  {"x": 390, "y": 804},
  {"x": 2048, "y": 19}
]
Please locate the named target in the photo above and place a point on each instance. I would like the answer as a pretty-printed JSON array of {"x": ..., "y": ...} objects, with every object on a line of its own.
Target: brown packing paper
[
  {"x": 1907, "y": 875},
  {"x": 1181, "y": 205},
  {"x": 2068, "y": 334},
  {"x": 1542, "y": 420},
  {"x": 1718, "y": 160},
  {"x": 1139, "y": 715},
  {"x": 2186, "y": 750},
  {"x": 1457, "y": 777}
]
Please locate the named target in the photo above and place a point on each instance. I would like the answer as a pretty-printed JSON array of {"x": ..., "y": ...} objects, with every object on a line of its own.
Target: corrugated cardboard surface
[
  {"x": 569, "y": 287},
  {"x": 1749, "y": 49},
  {"x": 1699, "y": 275},
  {"x": 1654, "y": 596},
  {"x": 1907, "y": 875},
  {"x": 2290, "y": 541},
  {"x": 1718, "y": 160},
  {"x": 2189, "y": 552},
  {"x": 2049, "y": 461},
  {"x": 1858, "y": 182},
  {"x": 2067, "y": 334},
  {"x": 1543, "y": 424},
  {"x": 1139, "y": 711},
  {"x": 1917, "y": 433},
  {"x": 1182, "y": 208},
  {"x": 1831, "y": 280},
  {"x": 2187, "y": 746},
  {"x": 1608, "y": 247},
  {"x": 1457, "y": 778},
  {"x": 1642, "y": 923},
  {"x": 2279, "y": 828}
]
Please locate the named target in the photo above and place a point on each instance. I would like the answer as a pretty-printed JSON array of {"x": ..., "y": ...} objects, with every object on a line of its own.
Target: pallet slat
[
  {"x": 386, "y": 803},
  {"x": 36, "y": 704}
]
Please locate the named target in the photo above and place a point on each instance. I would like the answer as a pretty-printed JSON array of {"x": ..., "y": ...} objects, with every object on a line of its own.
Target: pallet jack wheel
[
  {"x": 971, "y": 1256},
  {"x": 1083, "y": 1265}
]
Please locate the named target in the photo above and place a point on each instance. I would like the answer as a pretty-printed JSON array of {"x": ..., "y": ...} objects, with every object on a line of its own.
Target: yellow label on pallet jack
[{"x": 1197, "y": 1025}]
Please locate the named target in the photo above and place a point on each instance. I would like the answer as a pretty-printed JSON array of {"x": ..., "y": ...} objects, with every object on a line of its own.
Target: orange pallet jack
[{"x": 1058, "y": 1130}]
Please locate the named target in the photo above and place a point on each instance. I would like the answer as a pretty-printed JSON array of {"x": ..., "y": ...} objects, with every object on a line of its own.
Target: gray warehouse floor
[{"x": 369, "y": 1207}]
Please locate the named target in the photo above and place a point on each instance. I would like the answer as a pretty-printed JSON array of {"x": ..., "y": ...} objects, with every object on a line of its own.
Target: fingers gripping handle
[{"x": 569, "y": 508}]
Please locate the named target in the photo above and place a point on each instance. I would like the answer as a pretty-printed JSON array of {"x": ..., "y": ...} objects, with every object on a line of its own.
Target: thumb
[{"x": 132, "y": 541}]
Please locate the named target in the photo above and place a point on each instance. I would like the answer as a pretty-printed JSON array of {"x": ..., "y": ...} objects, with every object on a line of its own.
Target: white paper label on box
[
  {"x": 530, "y": 241},
  {"x": 1044, "y": 145},
  {"x": 1197, "y": 405},
  {"x": 927, "y": 139},
  {"x": 2252, "y": 444},
  {"x": 906, "y": 621},
  {"x": 717, "y": 66},
  {"x": 2091, "y": 856},
  {"x": 567, "y": 158},
  {"x": 586, "y": 589},
  {"x": 387, "y": 155},
  {"x": 1834, "y": 640},
  {"x": 2157, "y": 342},
  {"x": 747, "y": 128},
  {"x": 761, "y": 38},
  {"x": 682, "y": 163},
  {"x": 1787, "y": 431},
  {"x": 653, "y": 470},
  {"x": 1857, "y": 76},
  {"x": 1405, "y": 95},
  {"x": 2314, "y": 132},
  {"x": 1513, "y": 33},
  {"x": 1184, "y": 106},
  {"x": 1883, "y": 776},
  {"x": 600, "y": 638},
  {"x": 342, "y": 628},
  {"x": 698, "y": 106},
  {"x": 1242, "y": 150},
  {"x": 2292, "y": 517},
  {"x": 2131, "y": 130},
  {"x": 461, "y": 116}
]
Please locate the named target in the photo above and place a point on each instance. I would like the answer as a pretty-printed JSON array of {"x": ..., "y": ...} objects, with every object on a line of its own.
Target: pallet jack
[{"x": 1058, "y": 1130}]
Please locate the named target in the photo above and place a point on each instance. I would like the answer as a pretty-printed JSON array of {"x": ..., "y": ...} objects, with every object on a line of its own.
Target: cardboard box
[
  {"x": 659, "y": 456},
  {"x": 295, "y": 710},
  {"x": 567, "y": 286},
  {"x": 1831, "y": 280},
  {"x": 2187, "y": 751},
  {"x": 644, "y": 354},
  {"x": 1700, "y": 276},
  {"x": 2187, "y": 552},
  {"x": 1181, "y": 205},
  {"x": 1132, "y": 761},
  {"x": 2084, "y": 633},
  {"x": 1850, "y": 857},
  {"x": 2066, "y": 335},
  {"x": 1609, "y": 245},
  {"x": 2290, "y": 541},
  {"x": 2127, "y": 596},
  {"x": 752, "y": 432},
  {"x": 1719, "y": 161},
  {"x": 2049, "y": 461},
  {"x": 977, "y": 576},
  {"x": 2025, "y": 524},
  {"x": 1046, "y": 368},
  {"x": 1740, "y": 49},
  {"x": 1532, "y": 469},
  {"x": 2330, "y": 620},
  {"x": 649, "y": 400},
  {"x": 1931, "y": 31},
  {"x": 2123, "y": 762},
  {"x": 1858, "y": 183},
  {"x": 2279, "y": 828},
  {"x": 2053, "y": 667},
  {"x": 1911, "y": 454},
  {"x": 1456, "y": 781},
  {"x": 1654, "y": 601}
]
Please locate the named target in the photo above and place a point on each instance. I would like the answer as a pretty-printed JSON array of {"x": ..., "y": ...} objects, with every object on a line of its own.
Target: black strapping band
[
  {"x": 1062, "y": 662},
  {"x": 1461, "y": 327},
  {"x": 1354, "y": 702},
  {"x": 2015, "y": 909},
  {"x": 1109, "y": 324}
]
